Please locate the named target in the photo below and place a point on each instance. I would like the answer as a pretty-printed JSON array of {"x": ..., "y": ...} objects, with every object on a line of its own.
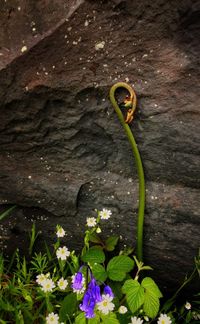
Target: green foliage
[
  {"x": 23, "y": 300},
  {"x": 146, "y": 294},
  {"x": 68, "y": 307},
  {"x": 109, "y": 319},
  {"x": 94, "y": 255},
  {"x": 111, "y": 243},
  {"x": 6, "y": 212},
  {"x": 119, "y": 266},
  {"x": 134, "y": 294},
  {"x": 99, "y": 272},
  {"x": 80, "y": 319}
]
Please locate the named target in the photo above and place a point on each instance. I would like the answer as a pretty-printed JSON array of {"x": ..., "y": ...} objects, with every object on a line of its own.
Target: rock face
[{"x": 63, "y": 151}]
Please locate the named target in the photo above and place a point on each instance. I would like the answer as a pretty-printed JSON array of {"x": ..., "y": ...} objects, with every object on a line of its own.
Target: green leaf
[
  {"x": 80, "y": 319},
  {"x": 134, "y": 294},
  {"x": 111, "y": 242},
  {"x": 68, "y": 307},
  {"x": 94, "y": 255},
  {"x": 117, "y": 275},
  {"x": 6, "y": 306},
  {"x": 129, "y": 285},
  {"x": 151, "y": 305},
  {"x": 94, "y": 238},
  {"x": 146, "y": 268},
  {"x": 118, "y": 267},
  {"x": 6, "y": 212},
  {"x": 111, "y": 318},
  {"x": 149, "y": 285},
  {"x": 95, "y": 320},
  {"x": 99, "y": 272},
  {"x": 116, "y": 288}
]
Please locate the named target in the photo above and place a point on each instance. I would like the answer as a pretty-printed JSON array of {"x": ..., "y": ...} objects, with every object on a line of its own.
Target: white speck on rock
[
  {"x": 99, "y": 46},
  {"x": 24, "y": 49},
  {"x": 127, "y": 80},
  {"x": 69, "y": 28},
  {"x": 86, "y": 23}
]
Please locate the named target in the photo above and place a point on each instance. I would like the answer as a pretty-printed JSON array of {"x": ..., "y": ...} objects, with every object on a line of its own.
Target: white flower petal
[
  {"x": 105, "y": 213},
  {"x": 52, "y": 318},
  {"x": 164, "y": 319},
  {"x": 106, "y": 305},
  {"x": 91, "y": 222},
  {"x": 122, "y": 309},
  {"x": 62, "y": 253}
]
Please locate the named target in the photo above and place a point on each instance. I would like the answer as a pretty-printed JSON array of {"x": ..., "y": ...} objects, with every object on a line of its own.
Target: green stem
[{"x": 139, "y": 166}]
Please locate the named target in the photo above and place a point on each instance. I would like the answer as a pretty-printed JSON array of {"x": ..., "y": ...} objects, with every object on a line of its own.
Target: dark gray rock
[{"x": 63, "y": 151}]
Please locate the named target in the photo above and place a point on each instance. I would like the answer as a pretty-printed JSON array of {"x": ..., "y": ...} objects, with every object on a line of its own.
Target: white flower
[
  {"x": 48, "y": 285},
  {"x": 106, "y": 305},
  {"x": 62, "y": 283},
  {"x": 136, "y": 320},
  {"x": 60, "y": 231},
  {"x": 105, "y": 213},
  {"x": 164, "y": 319},
  {"x": 52, "y": 318},
  {"x": 41, "y": 277},
  {"x": 122, "y": 309},
  {"x": 91, "y": 222},
  {"x": 188, "y": 306},
  {"x": 62, "y": 253}
]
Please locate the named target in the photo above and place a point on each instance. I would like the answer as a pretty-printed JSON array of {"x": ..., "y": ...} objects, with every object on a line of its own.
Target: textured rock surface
[{"x": 63, "y": 152}]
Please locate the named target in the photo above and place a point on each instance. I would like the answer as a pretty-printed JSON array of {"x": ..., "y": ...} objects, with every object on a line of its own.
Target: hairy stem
[{"x": 140, "y": 220}]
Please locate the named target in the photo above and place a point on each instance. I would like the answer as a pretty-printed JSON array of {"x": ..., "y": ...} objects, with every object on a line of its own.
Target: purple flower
[
  {"x": 90, "y": 298},
  {"x": 94, "y": 289},
  {"x": 108, "y": 291},
  {"x": 78, "y": 282},
  {"x": 88, "y": 305}
]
